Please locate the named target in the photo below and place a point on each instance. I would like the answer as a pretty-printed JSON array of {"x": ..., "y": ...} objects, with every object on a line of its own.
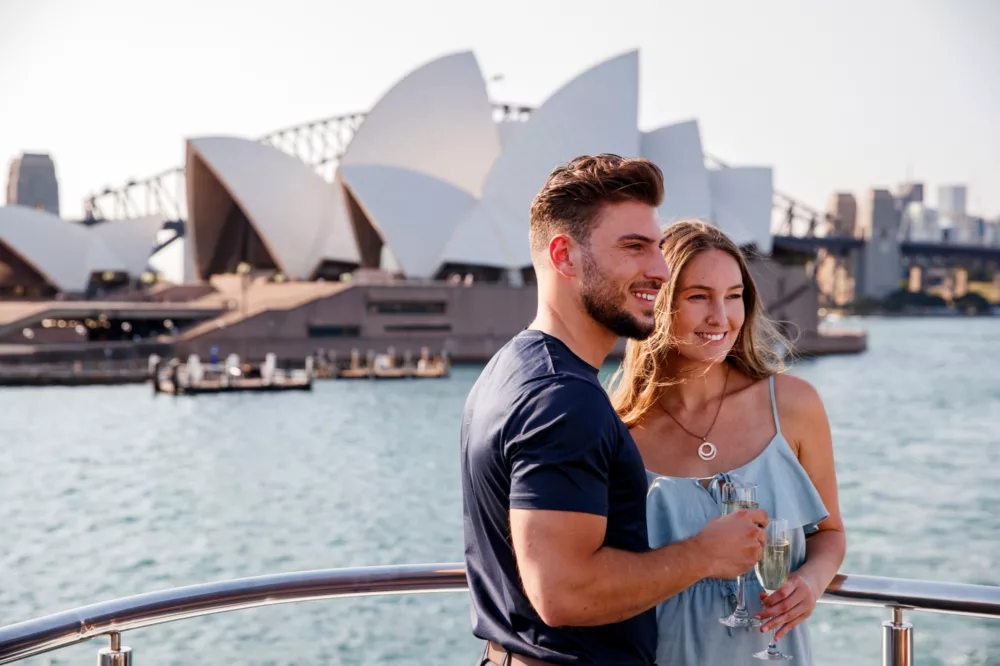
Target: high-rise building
[
  {"x": 991, "y": 234},
  {"x": 952, "y": 198},
  {"x": 878, "y": 223},
  {"x": 952, "y": 214},
  {"x": 976, "y": 230},
  {"x": 32, "y": 183},
  {"x": 919, "y": 223},
  {"x": 877, "y": 215},
  {"x": 843, "y": 208},
  {"x": 909, "y": 192}
]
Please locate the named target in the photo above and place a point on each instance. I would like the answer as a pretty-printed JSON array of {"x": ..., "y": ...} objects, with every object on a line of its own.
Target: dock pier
[
  {"x": 194, "y": 378},
  {"x": 386, "y": 366}
]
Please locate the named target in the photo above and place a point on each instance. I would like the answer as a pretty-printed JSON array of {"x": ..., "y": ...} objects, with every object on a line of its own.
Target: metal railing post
[
  {"x": 116, "y": 654},
  {"x": 897, "y": 641}
]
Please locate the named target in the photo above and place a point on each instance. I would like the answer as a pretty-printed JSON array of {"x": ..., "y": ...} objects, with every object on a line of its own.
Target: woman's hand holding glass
[
  {"x": 789, "y": 606},
  {"x": 772, "y": 573}
]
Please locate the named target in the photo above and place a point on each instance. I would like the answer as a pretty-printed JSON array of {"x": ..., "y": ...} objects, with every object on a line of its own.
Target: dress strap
[{"x": 774, "y": 406}]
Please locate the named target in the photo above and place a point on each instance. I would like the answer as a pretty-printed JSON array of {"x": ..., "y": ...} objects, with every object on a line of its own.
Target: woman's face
[{"x": 708, "y": 303}]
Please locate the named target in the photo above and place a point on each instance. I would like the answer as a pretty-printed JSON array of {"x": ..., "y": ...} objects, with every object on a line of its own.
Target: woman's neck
[{"x": 698, "y": 385}]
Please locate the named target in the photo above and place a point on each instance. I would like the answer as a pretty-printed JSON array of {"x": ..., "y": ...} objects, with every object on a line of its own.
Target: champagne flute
[
  {"x": 738, "y": 495},
  {"x": 772, "y": 572}
]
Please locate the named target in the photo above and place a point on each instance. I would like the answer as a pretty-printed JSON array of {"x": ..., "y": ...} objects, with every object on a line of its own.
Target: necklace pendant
[{"x": 707, "y": 451}]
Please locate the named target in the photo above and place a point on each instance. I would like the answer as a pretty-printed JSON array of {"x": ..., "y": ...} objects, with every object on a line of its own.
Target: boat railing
[{"x": 112, "y": 618}]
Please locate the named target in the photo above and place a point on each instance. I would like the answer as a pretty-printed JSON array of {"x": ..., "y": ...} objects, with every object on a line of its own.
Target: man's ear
[{"x": 564, "y": 255}]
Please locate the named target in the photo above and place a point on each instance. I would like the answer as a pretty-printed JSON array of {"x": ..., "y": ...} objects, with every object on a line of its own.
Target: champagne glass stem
[
  {"x": 736, "y": 496},
  {"x": 741, "y": 601},
  {"x": 772, "y": 647}
]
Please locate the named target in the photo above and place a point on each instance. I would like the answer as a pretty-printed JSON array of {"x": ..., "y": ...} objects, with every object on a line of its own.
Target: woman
[{"x": 705, "y": 401}]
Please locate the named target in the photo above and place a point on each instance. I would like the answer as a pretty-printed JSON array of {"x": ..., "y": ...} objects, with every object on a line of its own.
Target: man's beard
[{"x": 603, "y": 301}]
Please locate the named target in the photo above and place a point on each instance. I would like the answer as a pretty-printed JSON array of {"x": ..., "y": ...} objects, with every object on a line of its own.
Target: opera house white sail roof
[
  {"x": 437, "y": 121},
  {"x": 431, "y": 184},
  {"x": 677, "y": 150},
  {"x": 248, "y": 200},
  {"x": 66, "y": 254},
  {"x": 431, "y": 179},
  {"x": 596, "y": 112}
]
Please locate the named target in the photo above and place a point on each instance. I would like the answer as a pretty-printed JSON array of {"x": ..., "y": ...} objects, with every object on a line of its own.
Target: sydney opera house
[
  {"x": 419, "y": 239},
  {"x": 42, "y": 256}
]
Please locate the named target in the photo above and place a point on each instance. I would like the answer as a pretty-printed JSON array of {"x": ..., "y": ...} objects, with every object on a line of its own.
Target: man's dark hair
[{"x": 574, "y": 193}]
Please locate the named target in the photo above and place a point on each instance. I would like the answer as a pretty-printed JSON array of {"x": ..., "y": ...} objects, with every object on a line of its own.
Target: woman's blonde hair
[{"x": 638, "y": 383}]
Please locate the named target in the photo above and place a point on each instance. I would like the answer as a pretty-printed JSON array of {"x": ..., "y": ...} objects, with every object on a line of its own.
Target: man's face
[{"x": 623, "y": 269}]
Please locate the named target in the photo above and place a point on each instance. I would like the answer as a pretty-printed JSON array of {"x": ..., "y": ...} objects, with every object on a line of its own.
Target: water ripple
[{"x": 109, "y": 492}]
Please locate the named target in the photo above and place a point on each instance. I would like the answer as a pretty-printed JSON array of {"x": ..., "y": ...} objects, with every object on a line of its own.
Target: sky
[{"x": 835, "y": 95}]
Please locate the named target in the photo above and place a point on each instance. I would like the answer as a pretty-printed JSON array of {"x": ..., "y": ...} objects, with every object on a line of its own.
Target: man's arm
[
  {"x": 560, "y": 449},
  {"x": 571, "y": 579}
]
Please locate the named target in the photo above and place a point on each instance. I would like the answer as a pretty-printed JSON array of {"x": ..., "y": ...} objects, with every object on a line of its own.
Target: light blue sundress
[{"x": 689, "y": 631}]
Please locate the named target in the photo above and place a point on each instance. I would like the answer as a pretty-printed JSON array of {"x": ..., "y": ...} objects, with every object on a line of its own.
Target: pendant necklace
[{"x": 707, "y": 450}]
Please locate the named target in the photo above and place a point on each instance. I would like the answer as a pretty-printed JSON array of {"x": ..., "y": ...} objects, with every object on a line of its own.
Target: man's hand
[
  {"x": 732, "y": 544},
  {"x": 572, "y": 579}
]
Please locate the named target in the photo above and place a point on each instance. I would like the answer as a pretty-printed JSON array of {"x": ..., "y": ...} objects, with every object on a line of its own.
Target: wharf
[
  {"x": 830, "y": 342},
  {"x": 234, "y": 385},
  {"x": 28, "y": 374},
  {"x": 385, "y": 366},
  {"x": 195, "y": 378}
]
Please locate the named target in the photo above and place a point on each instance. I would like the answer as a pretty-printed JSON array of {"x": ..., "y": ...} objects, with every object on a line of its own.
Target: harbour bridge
[{"x": 800, "y": 229}]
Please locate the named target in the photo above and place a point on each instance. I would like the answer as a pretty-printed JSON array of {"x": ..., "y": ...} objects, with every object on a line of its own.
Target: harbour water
[{"x": 111, "y": 491}]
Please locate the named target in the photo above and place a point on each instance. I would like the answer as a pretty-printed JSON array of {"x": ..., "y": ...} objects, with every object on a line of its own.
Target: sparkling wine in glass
[
  {"x": 736, "y": 505},
  {"x": 738, "y": 495},
  {"x": 772, "y": 571}
]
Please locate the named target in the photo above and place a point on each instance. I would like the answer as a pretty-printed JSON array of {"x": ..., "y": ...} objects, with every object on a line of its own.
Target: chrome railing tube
[
  {"x": 111, "y": 618},
  {"x": 26, "y": 639},
  {"x": 905, "y": 593},
  {"x": 897, "y": 641}
]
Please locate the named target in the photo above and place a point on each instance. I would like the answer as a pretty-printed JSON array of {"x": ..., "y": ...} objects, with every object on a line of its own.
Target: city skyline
[{"x": 844, "y": 120}]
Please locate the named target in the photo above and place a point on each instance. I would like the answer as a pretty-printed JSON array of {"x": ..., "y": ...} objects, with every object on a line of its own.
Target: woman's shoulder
[
  {"x": 800, "y": 407},
  {"x": 795, "y": 394}
]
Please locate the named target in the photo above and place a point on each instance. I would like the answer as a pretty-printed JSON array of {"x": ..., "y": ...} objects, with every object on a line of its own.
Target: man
[{"x": 553, "y": 486}]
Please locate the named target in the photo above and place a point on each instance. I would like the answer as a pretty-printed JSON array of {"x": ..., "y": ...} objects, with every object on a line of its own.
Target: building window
[
  {"x": 417, "y": 328},
  {"x": 407, "y": 307},
  {"x": 323, "y": 331}
]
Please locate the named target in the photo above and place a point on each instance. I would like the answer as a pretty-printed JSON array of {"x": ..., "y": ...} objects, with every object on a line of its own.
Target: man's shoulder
[
  {"x": 562, "y": 402},
  {"x": 523, "y": 384},
  {"x": 533, "y": 355},
  {"x": 530, "y": 367}
]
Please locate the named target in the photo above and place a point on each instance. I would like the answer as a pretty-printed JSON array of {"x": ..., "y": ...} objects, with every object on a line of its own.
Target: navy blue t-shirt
[{"x": 539, "y": 432}]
